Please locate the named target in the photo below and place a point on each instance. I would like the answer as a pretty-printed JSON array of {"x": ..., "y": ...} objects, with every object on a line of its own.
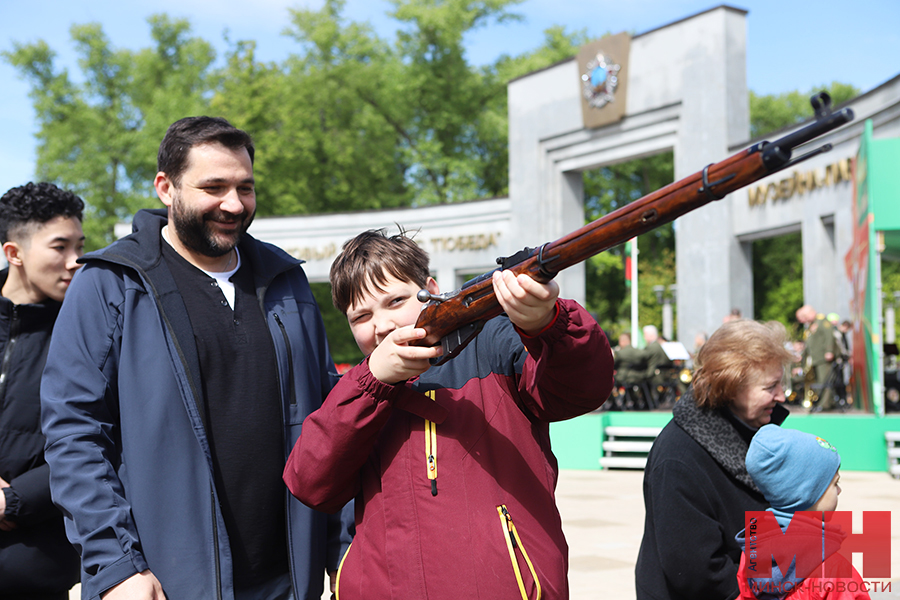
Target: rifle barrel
[{"x": 457, "y": 318}]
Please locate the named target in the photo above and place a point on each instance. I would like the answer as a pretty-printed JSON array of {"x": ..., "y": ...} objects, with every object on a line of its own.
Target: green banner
[{"x": 862, "y": 270}]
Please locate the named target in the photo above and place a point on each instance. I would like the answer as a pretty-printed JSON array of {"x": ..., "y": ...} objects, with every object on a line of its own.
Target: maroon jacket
[{"x": 461, "y": 525}]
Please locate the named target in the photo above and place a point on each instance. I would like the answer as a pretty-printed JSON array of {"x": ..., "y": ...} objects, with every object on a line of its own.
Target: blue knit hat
[{"x": 791, "y": 468}]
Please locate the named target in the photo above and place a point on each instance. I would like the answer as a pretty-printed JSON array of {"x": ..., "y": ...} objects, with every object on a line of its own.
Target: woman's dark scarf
[{"x": 719, "y": 433}]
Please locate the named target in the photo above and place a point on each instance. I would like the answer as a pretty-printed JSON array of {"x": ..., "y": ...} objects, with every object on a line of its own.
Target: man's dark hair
[
  {"x": 35, "y": 203},
  {"x": 366, "y": 262},
  {"x": 186, "y": 133}
]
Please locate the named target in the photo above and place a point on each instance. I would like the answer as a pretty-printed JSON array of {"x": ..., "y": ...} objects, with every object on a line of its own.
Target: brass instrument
[{"x": 810, "y": 395}]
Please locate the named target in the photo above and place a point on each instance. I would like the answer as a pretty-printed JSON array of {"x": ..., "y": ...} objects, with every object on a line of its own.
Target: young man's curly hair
[{"x": 35, "y": 203}]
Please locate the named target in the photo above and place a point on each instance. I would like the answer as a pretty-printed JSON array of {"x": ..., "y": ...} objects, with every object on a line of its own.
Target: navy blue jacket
[{"x": 129, "y": 458}]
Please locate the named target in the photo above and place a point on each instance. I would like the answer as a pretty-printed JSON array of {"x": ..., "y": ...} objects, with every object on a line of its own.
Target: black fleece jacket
[{"x": 35, "y": 556}]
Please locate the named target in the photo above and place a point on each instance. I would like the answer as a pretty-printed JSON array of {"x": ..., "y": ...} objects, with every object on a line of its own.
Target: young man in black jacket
[{"x": 40, "y": 229}]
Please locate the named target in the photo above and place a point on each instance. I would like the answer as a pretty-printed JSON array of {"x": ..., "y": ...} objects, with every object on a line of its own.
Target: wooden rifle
[{"x": 453, "y": 319}]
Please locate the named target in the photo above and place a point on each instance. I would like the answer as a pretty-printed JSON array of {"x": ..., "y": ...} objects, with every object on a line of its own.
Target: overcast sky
[{"x": 791, "y": 44}]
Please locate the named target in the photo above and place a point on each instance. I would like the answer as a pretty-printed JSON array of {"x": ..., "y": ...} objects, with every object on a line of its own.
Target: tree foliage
[
  {"x": 99, "y": 137},
  {"x": 350, "y": 121},
  {"x": 771, "y": 112},
  {"x": 607, "y": 189},
  {"x": 340, "y": 340},
  {"x": 778, "y": 278},
  {"x": 890, "y": 285},
  {"x": 324, "y": 148}
]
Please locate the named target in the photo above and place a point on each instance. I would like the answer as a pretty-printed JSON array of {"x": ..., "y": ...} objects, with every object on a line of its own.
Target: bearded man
[{"x": 185, "y": 358}]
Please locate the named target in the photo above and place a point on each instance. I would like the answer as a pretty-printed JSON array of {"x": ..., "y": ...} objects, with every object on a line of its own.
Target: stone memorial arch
[{"x": 680, "y": 88}]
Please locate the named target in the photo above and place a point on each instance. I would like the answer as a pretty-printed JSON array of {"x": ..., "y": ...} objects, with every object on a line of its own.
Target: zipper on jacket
[
  {"x": 337, "y": 580},
  {"x": 15, "y": 324},
  {"x": 431, "y": 449},
  {"x": 290, "y": 360},
  {"x": 513, "y": 543},
  {"x": 215, "y": 532}
]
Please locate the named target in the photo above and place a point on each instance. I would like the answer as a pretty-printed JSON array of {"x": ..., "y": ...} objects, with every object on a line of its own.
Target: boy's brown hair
[{"x": 367, "y": 260}]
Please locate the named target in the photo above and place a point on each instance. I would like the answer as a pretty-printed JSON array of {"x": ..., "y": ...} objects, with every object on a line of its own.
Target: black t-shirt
[{"x": 243, "y": 416}]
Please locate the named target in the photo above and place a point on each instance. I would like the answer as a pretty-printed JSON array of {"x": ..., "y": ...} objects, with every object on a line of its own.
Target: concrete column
[
  {"x": 820, "y": 264},
  {"x": 571, "y": 281},
  {"x": 713, "y": 268}
]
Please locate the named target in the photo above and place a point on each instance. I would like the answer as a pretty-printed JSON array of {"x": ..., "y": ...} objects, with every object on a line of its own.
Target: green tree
[
  {"x": 448, "y": 100},
  {"x": 605, "y": 190},
  {"x": 778, "y": 278},
  {"x": 99, "y": 137},
  {"x": 890, "y": 283},
  {"x": 411, "y": 120},
  {"x": 771, "y": 112},
  {"x": 340, "y": 340},
  {"x": 326, "y": 148}
]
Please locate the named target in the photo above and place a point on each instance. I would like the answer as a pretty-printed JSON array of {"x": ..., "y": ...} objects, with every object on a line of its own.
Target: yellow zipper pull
[
  {"x": 431, "y": 449},
  {"x": 515, "y": 542},
  {"x": 509, "y": 527}
]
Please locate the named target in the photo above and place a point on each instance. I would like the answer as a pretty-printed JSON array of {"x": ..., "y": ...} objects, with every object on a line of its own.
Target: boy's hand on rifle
[
  {"x": 394, "y": 360},
  {"x": 530, "y": 305}
]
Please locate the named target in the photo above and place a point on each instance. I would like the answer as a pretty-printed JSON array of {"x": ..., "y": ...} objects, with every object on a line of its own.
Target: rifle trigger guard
[{"x": 707, "y": 186}]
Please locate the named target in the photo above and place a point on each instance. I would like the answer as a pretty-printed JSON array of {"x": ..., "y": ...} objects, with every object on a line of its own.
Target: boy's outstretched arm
[{"x": 569, "y": 369}]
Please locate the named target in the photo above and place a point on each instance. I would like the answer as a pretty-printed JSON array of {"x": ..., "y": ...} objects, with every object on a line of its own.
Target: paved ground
[{"x": 603, "y": 516}]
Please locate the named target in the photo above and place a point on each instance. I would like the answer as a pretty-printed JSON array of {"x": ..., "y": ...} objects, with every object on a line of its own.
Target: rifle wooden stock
[{"x": 455, "y": 318}]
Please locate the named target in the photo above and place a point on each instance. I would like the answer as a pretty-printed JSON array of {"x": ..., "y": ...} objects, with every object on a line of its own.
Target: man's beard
[{"x": 195, "y": 233}]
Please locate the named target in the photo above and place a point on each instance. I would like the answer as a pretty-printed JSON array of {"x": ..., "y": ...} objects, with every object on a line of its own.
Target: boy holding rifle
[{"x": 450, "y": 465}]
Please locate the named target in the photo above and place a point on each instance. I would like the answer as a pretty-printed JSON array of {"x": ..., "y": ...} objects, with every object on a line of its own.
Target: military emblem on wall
[
  {"x": 600, "y": 80},
  {"x": 602, "y": 71}
]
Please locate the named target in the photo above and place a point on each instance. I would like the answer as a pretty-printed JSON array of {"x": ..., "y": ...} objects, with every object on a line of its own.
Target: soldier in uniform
[
  {"x": 657, "y": 359},
  {"x": 820, "y": 354},
  {"x": 630, "y": 363}
]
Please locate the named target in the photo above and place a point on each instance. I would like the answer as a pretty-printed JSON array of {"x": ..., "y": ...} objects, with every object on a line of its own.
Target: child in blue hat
[{"x": 796, "y": 472}]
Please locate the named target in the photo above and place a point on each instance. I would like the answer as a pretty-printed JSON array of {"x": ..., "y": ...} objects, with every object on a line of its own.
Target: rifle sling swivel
[
  {"x": 507, "y": 262},
  {"x": 542, "y": 263},
  {"x": 707, "y": 186}
]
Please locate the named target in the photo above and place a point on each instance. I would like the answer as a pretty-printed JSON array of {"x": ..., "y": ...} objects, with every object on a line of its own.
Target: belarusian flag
[{"x": 628, "y": 263}]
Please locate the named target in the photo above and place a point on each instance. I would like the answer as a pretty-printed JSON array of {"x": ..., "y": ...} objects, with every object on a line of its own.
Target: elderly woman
[{"x": 696, "y": 487}]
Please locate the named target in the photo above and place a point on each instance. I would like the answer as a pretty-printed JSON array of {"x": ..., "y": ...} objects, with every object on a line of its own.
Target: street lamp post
[
  {"x": 668, "y": 302},
  {"x": 890, "y": 332}
]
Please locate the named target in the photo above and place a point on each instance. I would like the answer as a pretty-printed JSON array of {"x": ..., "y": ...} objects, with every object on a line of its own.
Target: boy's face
[
  {"x": 381, "y": 312},
  {"x": 47, "y": 257},
  {"x": 829, "y": 500}
]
